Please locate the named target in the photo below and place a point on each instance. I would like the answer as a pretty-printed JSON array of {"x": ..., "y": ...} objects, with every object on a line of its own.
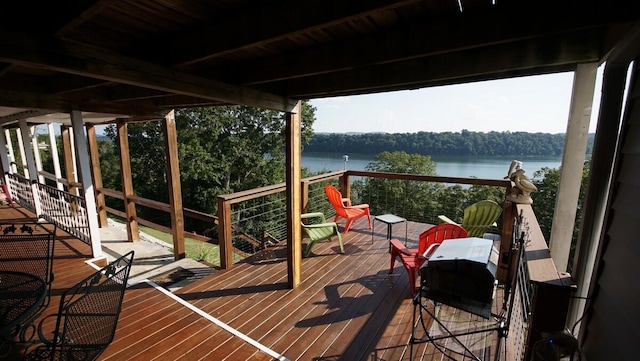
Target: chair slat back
[
  {"x": 27, "y": 247},
  {"x": 480, "y": 216},
  {"x": 437, "y": 234},
  {"x": 335, "y": 198},
  {"x": 89, "y": 311}
]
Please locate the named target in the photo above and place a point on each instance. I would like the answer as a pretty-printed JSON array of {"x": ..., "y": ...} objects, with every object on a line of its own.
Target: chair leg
[
  {"x": 412, "y": 281},
  {"x": 307, "y": 252},
  {"x": 348, "y": 225},
  {"x": 394, "y": 254}
]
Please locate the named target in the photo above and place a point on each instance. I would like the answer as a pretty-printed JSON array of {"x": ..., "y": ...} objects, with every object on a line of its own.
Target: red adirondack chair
[
  {"x": 430, "y": 239},
  {"x": 344, "y": 209}
]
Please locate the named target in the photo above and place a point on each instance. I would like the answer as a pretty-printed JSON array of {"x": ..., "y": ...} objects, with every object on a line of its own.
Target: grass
[{"x": 194, "y": 249}]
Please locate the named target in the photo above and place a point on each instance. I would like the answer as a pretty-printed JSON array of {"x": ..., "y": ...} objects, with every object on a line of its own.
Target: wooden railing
[
  {"x": 549, "y": 291},
  {"x": 164, "y": 207}
]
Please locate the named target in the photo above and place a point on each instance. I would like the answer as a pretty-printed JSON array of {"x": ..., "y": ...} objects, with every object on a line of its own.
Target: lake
[{"x": 480, "y": 167}]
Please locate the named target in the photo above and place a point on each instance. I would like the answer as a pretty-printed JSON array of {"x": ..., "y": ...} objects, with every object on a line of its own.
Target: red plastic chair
[
  {"x": 348, "y": 212},
  {"x": 430, "y": 239}
]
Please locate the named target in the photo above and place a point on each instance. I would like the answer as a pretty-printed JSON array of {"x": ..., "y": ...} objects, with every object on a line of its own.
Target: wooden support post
[
  {"x": 173, "y": 183},
  {"x": 293, "y": 161},
  {"x": 133, "y": 231},
  {"x": 69, "y": 160},
  {"x": 84, "y": 172},
  {"x": 36, "y": 153},
  {"x": 96, "y": 173},
  {"x": 225, "y": 233},
  {"x": 53, "y": 146}
]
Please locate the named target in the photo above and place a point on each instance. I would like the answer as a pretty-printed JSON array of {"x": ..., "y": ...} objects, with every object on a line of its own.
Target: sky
[{"x": 530, "y": 104}]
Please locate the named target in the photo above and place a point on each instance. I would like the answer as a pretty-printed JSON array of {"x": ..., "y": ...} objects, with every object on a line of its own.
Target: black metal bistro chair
[
  {"x": 26, "y": 274},
  {"x": 88, "y": 315}
]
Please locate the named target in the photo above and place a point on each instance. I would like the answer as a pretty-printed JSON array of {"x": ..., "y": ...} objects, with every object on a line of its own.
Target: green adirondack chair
[
  {"x": 319, "y": 231},
  {"x": 478, "y": 217}
]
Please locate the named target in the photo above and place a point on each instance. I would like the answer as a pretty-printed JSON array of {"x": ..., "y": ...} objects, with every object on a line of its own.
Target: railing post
[
  {"x": 133, "y": 232},
  {"x": 506, "y": 263},
  {"x": 225, "y": 233},
  {"x": 304, "y": 196},
  {"x": 173, "y": 181},
  {"x": 345, "y": 185}
]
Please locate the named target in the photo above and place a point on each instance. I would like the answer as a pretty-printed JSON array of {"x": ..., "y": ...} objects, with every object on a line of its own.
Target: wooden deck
[{"x": 348, "y": 307}]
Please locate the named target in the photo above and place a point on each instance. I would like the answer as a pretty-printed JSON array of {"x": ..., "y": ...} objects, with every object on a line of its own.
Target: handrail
[
  {"x": 237, "y": 197},
  {"x": 432, "y": 178}
]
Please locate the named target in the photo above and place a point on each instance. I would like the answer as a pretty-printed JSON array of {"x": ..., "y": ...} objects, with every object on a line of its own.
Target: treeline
[{"x": 465, "y": 143}]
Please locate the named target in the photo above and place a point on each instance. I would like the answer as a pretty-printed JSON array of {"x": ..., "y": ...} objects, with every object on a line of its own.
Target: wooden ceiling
[{"x": 145, "y": 57}]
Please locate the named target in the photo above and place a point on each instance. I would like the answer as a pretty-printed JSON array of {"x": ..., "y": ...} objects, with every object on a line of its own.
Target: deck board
[{"x": 347, "y": 307}]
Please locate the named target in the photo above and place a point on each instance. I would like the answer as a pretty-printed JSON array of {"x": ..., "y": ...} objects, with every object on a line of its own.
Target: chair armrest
[
  {"x": 445, "y": 219},
  {"x": 320, "y": 225},
  {"x": 359, "y": 206},
  {"x": 400, "y": 247},
  {"x": 313, "y": 215},
  {"x": 347, "y": 202}
]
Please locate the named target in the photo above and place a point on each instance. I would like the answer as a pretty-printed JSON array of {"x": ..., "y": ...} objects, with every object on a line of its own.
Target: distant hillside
[{"x": 464, "y": 143}]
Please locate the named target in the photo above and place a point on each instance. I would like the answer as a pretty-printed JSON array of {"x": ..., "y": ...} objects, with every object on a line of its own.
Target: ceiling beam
[
  {"x": 521, "y": 58},
  {"x": 73, "y": 58},
  {"x": 54, "y": 103},
  {"x": 263, "y": 23},
  {"x": 23, "y": 114},
  {"x": 415, "y": 41}
]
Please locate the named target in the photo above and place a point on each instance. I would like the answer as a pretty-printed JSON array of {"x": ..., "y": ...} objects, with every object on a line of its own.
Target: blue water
[{"x": 488, "y": 167}]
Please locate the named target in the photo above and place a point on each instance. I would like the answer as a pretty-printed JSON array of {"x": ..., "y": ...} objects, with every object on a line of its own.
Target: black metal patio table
[{"x": 21, "y": 294}]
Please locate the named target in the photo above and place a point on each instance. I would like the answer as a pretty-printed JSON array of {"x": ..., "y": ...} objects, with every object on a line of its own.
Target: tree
[
  {"x": 386, "y": 195},
  {"x": 416, "y": 200},
  {"x": 221, "y": 150}
]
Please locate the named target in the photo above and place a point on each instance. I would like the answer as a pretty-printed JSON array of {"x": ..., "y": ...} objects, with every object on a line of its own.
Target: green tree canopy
[{"x": 221, "y": 150}]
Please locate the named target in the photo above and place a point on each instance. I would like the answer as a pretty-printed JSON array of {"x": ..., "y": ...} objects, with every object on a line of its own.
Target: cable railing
[{"x": 257, "y": 218}]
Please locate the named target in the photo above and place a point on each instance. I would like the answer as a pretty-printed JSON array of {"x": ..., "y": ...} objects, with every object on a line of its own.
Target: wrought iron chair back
[
  {"x": 88, "y": 315},
  {"x": 28, "y": 247}
]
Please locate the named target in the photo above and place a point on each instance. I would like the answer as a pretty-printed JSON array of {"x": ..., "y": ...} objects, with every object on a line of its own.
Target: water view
[{"x": 480, "y": 167}]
